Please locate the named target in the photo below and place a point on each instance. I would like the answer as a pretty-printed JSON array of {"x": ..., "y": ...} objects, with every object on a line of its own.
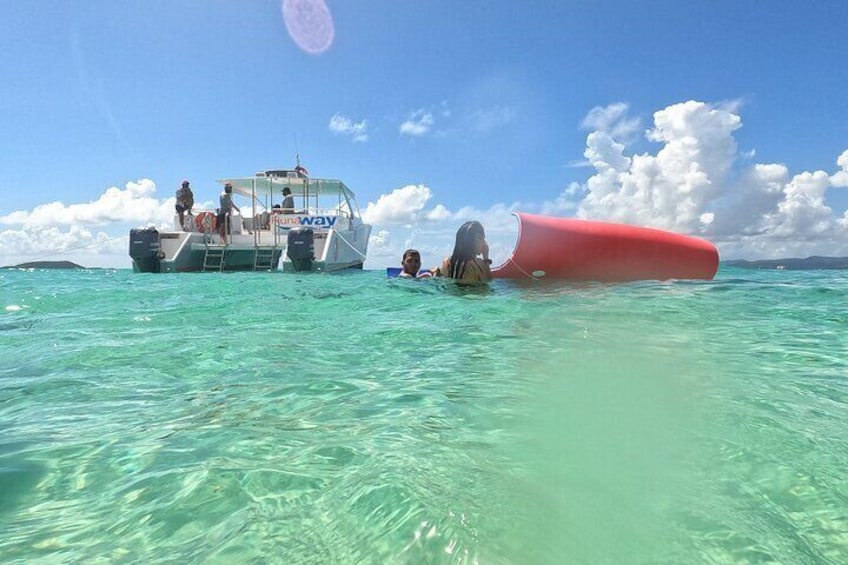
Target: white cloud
[
  {"x": 695, "y": 185},
  {"x": 77, "y": 244},
  {"x": 380, "y": 240},
  {"x": 566, "y": 202},
  {"x": 840, "y": 178},
  {"x": 136, "y": 203},
  {"x": 438, "y": 214},
  {"x": 342, "y": 125},
  {"x": 744, "y": 205},
  {"x": 802, "y": 213},
  {"x": 418, "y": 123},
  {"x": 57, "y": 231},
  {"x": 612, "y": 120},
  {"x": 401, "y": 206}
]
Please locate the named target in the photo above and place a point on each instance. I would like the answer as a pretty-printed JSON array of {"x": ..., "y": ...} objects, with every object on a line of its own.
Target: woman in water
[{"x": 464, "y": 265}]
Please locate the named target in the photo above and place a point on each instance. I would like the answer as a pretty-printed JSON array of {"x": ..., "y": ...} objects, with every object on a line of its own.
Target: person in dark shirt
[
  {"x": 288, "y": 201},
  {"x": 185, "y": 202},
  {"x": 225, "y": 211}
]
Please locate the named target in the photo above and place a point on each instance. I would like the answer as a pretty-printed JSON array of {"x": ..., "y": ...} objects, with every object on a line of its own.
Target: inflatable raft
[{"x": 582, "y": 250}]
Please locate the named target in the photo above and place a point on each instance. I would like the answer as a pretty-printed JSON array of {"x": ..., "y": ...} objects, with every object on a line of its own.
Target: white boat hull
[{"x": 170, "y": 251}]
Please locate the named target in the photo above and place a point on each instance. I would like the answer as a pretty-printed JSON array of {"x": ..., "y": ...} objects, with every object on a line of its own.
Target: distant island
[
  {"x": 46, "y": 265},
  {"x": 808, "y": 264}
]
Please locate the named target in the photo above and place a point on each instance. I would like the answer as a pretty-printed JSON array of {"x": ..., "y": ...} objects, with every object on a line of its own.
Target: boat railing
[
  {"x": 271, "y": 227},
  {"x": 312, "y": 211}
]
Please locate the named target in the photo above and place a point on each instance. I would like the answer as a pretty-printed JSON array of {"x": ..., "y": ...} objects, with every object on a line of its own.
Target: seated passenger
[{"x": 288, "y": 201}]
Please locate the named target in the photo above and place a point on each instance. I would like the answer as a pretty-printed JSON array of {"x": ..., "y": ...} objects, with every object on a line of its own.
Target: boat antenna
[{"x": 296, "y": 149}]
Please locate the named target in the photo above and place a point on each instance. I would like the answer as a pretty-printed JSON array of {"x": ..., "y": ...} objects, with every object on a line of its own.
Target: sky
[{"x": 726, "y": 120}]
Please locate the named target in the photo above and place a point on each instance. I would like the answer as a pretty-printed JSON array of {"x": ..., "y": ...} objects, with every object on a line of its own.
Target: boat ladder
[
  {"x": 214, "y": 258},
  {"x": 263, "y": 259}
]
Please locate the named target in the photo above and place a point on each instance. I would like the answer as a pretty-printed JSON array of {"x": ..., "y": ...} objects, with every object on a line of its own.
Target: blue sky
[{"x": 725, "y": 120}]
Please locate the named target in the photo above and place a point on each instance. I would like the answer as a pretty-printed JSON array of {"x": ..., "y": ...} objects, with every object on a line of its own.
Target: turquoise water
[{"x": 252, "y": 418}]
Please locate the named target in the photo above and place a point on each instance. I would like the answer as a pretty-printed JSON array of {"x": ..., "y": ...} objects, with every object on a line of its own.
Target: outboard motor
[
  {"x": 301, "y": 248},
  {"x": 144, "y": 250}
]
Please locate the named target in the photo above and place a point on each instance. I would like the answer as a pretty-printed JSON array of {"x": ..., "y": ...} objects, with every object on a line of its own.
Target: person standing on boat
[
  {"x": 225, "y": 211},
  {"x": 185, "y": 202},
  {"x": 464, "y": 265},
  {"x": 288, "y": 201}
]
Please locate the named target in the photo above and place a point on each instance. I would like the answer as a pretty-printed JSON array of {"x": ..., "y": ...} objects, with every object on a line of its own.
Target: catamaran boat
[{"x": 324, "y": 232}]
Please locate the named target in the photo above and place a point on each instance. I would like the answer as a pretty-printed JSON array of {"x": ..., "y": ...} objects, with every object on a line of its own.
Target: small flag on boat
[{"x": 302, "y": 170}]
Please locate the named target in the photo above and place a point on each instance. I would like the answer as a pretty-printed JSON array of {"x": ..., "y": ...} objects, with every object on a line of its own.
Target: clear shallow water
[{"x": 352, "y": 419}]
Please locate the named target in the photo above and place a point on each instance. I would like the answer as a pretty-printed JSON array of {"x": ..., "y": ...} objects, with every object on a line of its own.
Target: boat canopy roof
[{"x": 264, "y": 184}]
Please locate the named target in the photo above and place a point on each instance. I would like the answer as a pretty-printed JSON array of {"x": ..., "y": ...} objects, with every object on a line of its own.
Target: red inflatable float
[{"x": 582, "y": 250}]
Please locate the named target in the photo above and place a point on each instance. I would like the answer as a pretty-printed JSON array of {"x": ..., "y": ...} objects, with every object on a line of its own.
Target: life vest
[{"x": 206, "y": 222}]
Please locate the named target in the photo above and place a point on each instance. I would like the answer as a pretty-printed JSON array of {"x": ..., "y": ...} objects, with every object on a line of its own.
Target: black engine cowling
[
  {"x": 144, "y": 249},
  {"x": 301, "y": 248}
]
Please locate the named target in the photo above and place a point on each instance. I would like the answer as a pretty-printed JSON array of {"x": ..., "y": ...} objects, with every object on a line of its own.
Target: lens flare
[{"x": 309, "y": 24}]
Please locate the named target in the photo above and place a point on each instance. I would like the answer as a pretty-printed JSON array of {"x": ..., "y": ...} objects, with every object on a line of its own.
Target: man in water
[
  {"x": 411, "y": 263},
  {"x": 225, "y": 211}
]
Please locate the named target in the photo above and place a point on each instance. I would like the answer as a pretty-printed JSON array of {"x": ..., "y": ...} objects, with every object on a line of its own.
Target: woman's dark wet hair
[{"x": 465, "y": 248}]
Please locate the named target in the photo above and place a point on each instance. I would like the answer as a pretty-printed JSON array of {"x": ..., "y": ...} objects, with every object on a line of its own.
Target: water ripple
[{"x": 259, "y": 418}]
